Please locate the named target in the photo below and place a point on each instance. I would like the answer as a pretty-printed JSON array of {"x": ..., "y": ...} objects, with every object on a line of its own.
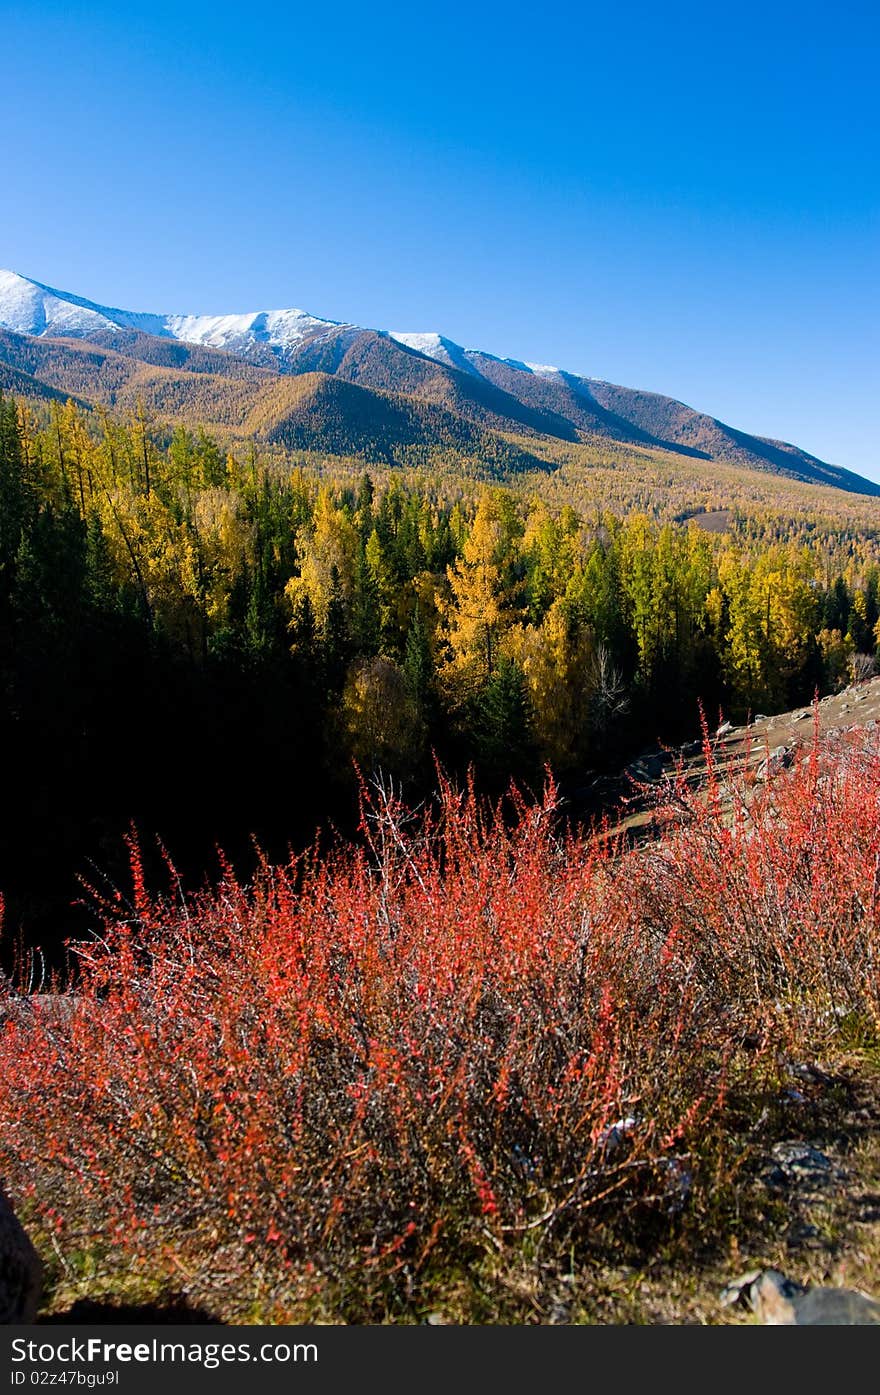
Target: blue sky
[{"x": 681, "y": 197}]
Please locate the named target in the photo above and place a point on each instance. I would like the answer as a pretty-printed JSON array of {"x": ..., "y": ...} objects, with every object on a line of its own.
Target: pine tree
[
  {"x": 16, "y": 501},
  {"x": 418, "y": 663},
  {"x": 503, "y": 724}
]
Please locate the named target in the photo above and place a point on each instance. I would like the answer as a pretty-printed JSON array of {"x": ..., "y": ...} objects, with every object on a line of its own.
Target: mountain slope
[
  {"x": 106, "y": 377},
  {"x": 320, "y": 411},
  {"x": 485, "y": 394},
  {"x": 20, "y": 384},
  {"x": 307, "y": 411}
]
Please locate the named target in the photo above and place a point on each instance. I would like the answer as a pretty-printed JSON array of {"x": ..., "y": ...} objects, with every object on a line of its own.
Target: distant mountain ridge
[{"x": 222, "y": 367}]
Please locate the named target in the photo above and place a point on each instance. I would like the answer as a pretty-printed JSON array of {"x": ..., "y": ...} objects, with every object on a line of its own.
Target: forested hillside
[{"x": 203, "y": 640}]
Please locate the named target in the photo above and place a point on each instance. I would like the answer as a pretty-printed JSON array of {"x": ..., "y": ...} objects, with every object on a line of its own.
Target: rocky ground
[
  {"x": 814, "y": 1232},
  {"x": 749, "y": 746},
  {"x": 813, "y": 1227},
  {"x": 756, "y": 750}
]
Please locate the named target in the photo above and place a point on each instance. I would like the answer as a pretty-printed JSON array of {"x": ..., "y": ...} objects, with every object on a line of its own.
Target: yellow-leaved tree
[
  {"x": 772, "y": 614},
  {"x": 381, "y": 718},
  {"x": 480, "y": 610},
  {"x": 556, "y": 658},
  {"x": 328, "y": 553}
]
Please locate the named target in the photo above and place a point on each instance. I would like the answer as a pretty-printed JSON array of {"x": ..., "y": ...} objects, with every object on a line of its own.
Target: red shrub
[{"x": 466, "y": 1029}]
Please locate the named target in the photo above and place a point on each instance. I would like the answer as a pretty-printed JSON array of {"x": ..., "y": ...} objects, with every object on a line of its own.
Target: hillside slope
[{"x": 312, "y": 411}]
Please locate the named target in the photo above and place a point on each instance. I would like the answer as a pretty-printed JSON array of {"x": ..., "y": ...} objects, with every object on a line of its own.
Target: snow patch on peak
[
  {"x": 537, "y": 370},
  {"x": 27, "y": 307},
  {"x": 430, "y": 344},
  {"x": 214, "y": 330},
  {"x": 279, "y": 329},
  {"x": 544, "y": 370},
  {"x": 21, "y": 304},
  {"x": 437, "y": 347}
]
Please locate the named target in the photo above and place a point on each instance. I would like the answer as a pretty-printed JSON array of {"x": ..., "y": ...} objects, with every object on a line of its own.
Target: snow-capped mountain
[
  {"x": 443, "y": 350},
  {"x": 440, "y": 390},
  {"x": 28, "y": 307},
  {"x": 435, "y": 346}
]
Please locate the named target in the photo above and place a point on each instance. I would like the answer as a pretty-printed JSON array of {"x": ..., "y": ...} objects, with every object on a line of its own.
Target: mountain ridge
[{"x": 491, "y": 397}]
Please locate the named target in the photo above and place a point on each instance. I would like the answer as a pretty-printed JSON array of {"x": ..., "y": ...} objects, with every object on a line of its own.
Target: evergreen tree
[
  {"x": 260, "y": 624},
  {"x": 16, "y": 502},
  {"x": 418, "y": 664},
  {"x": 364, "y": 506},
  {"x": 503, "y": 725}
]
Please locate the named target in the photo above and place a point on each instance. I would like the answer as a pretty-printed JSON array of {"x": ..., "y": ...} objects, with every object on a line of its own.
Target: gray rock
[
  {"x": 792, "y": 1096},
  {"x": 737, "y": 1290},
  {"x": 803, "y": 1235},
  {"x": 21, "y": 1273},
  {"x": 799, "y": 1162},
  {"x": 809, "y": 1074},
  {"x": 836, "y": 1307},
  {"x": 781, "y": 1302},
  {"x": 780, "y": 758},
  {"x": 648, "y": 767},
  {"x": 766, "y": 1292}
]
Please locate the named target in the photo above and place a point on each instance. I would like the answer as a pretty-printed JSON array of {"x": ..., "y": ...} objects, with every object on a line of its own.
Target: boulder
[
  {"x": 765, "y": 1292},
  {"x": 799, "y": 1162},
  {"x": 647, "y": 766},
  {"x": 781, "y": 1302},
  {"x": 780, "y": 758},
  {"x": 21, "y": 1273},
  {"x": 836, "y": 1307}
]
